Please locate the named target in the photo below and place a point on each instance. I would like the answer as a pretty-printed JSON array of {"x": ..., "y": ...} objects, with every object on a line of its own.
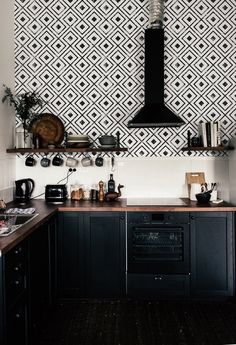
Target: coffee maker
[{"x": 24, "y": 189}]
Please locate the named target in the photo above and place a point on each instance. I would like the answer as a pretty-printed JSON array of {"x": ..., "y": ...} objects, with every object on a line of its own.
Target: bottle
[
  {"x": 111, "y": 185},
  {"x": 28, "y": 139},
  {"x": 36, "y": 141}
]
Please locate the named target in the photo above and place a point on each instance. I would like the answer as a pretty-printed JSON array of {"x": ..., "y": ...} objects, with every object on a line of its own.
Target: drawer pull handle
[
  {"x": 158, "y": 278},
  {"x": 18, "y": 250}
]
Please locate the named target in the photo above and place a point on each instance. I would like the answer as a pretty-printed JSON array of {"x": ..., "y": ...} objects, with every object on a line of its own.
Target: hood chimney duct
[
  {"x": 155, "y": 113},
  {"x": 156, "y": 14}
]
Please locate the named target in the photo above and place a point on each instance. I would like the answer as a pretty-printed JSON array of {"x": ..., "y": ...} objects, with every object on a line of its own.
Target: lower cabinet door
[
  {"x": 157, "y": 285},
  {"x": 70, "y": 255},
  {"x": 91, "y": 254},
  {"x": 212, "y": 254},
  {"x": 105, "y": 254},
  {"x": 38, "y": 280}
]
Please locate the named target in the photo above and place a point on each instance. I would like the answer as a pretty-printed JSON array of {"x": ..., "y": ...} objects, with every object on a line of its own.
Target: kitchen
[{"x": 196, "y": 89}]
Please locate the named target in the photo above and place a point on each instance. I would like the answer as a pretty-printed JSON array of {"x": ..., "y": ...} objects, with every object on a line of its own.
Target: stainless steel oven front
[{"x": 158, "y": 243}]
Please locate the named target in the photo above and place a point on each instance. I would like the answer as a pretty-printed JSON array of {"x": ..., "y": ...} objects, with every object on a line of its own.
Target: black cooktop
[{"x": 155, "y": 202}]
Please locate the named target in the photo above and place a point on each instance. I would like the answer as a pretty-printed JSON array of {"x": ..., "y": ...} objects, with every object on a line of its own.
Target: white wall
[
  {"x": 7, "y": 118},
  {"x": 142, "y": 177}
]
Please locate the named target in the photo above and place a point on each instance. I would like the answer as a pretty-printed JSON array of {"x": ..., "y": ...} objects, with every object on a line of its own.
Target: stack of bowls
[
  {"x": 78, "y": 140},
  {"x": 107, "y": 141}
]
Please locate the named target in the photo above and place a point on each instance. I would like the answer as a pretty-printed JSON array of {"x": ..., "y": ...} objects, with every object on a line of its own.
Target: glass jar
[
  {"x": 86, "y": 192},
  {"x": 76, "y": 192},
  {"x": 19, "y": 140},
  {"x": 23, "y": 138}
]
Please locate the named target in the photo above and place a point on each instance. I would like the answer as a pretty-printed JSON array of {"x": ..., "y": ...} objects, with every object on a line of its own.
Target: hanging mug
[
  {"x": 57, "y": 160},
  {"x": 45, "y": 162},
  {"x": 99, "y": 161},
  {"x": 30, "y": 161},
  {"x": 86, "y": 161},
  {"x": 71, "y": 162}
]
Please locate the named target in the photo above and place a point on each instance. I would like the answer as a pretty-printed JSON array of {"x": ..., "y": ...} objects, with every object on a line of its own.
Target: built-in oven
[{"x": 158, "y": 247}]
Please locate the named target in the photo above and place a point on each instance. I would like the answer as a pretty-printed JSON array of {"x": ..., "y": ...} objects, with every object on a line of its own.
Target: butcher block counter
[
  {"x": 46, "y": 210},
  {"x": 147, "y": 204}
]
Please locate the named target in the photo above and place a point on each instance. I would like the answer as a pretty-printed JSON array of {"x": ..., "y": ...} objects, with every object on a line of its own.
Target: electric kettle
[{"x": 24, "y": 189}]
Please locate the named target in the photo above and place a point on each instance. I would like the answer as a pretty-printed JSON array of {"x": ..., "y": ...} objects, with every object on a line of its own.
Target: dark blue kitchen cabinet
[
  {"x": 13, "y": 293},
  {"x": 70, "y": 255},
  {"x": 105, "y": 254},
  {"x": 91, "y": 254},
  {"x": 27, "y": 284},
  {"x": 212, "y": 253},
  {"x": 41, "y": 276}
]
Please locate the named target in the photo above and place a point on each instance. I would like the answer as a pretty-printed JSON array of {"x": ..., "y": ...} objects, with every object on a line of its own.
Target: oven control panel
[{"x": 158, "y": 217}]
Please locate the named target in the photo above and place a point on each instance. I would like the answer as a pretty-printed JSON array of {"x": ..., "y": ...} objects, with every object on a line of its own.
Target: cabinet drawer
[
  {"x": 15, "y": 273},
  {"x": 152, "y": 285},
  {"x": 16, "y": 324},
  {"x": 15, "y": 285},
  {"x": 16, "y": 254}
]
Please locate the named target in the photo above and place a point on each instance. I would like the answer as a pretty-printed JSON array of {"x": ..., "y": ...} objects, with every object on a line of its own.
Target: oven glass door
[{"x": 158, "y": 249}]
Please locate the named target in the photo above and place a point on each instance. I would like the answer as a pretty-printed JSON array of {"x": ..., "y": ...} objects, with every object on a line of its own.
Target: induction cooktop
[{"x": 155, "y": 202}]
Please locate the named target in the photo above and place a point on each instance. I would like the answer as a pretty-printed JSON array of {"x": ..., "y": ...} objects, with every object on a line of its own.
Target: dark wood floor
[{"x": 137, "y": 322}]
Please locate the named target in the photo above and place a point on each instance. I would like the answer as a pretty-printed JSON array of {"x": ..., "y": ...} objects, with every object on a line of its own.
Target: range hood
[{"x": 154, "y": 113}]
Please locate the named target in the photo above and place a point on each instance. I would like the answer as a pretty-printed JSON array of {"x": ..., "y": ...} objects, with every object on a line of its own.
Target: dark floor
[{"x": 137, "y": 322}]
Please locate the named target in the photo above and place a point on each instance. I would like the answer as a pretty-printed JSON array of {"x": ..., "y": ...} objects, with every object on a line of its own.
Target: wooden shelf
[
  {"x": 63, "y": 149},
  {"x": 209, "y": 148}
]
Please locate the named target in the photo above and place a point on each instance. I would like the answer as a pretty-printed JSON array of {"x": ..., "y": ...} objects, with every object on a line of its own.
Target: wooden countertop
[
  {"x": 44, "y": 211},
  {"x": 121, "y": 205},
  {"x": 47, "y": 210}
]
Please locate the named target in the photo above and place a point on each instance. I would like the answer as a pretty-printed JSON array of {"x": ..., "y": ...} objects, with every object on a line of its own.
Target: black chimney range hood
[{"x": 154, "y": 113}]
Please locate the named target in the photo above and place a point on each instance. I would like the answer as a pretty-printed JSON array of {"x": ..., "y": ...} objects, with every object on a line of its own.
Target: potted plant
[{"x": 24, "y": 105}]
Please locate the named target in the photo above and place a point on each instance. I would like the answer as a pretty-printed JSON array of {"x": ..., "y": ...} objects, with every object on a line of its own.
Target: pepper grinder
[{"x": 101, "y": 194}]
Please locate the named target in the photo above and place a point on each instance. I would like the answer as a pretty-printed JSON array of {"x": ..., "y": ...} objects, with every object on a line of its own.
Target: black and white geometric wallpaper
[{"x": 86, "y": 58}]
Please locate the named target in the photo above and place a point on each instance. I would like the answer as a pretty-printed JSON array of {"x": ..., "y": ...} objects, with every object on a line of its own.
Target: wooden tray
[{"x": 49, "y": 128}]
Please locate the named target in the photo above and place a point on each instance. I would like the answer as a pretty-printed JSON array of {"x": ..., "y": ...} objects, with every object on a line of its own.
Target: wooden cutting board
[{"x": 194, "y": 177}]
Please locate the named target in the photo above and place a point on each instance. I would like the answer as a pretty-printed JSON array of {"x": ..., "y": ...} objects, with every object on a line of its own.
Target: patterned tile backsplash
[{"x": 86, "y": 58}]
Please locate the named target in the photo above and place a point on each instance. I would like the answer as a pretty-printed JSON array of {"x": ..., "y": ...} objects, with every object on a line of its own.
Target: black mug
[
  {"x": 57, "y": 161},
  {"x": 45, "y": 162},
  {"x": 99, "y": 161},
  {"x": 30, "y": 161}
]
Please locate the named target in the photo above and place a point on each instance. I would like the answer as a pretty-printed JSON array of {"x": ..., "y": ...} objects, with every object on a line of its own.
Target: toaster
[{"x": 55, "y": 192}]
